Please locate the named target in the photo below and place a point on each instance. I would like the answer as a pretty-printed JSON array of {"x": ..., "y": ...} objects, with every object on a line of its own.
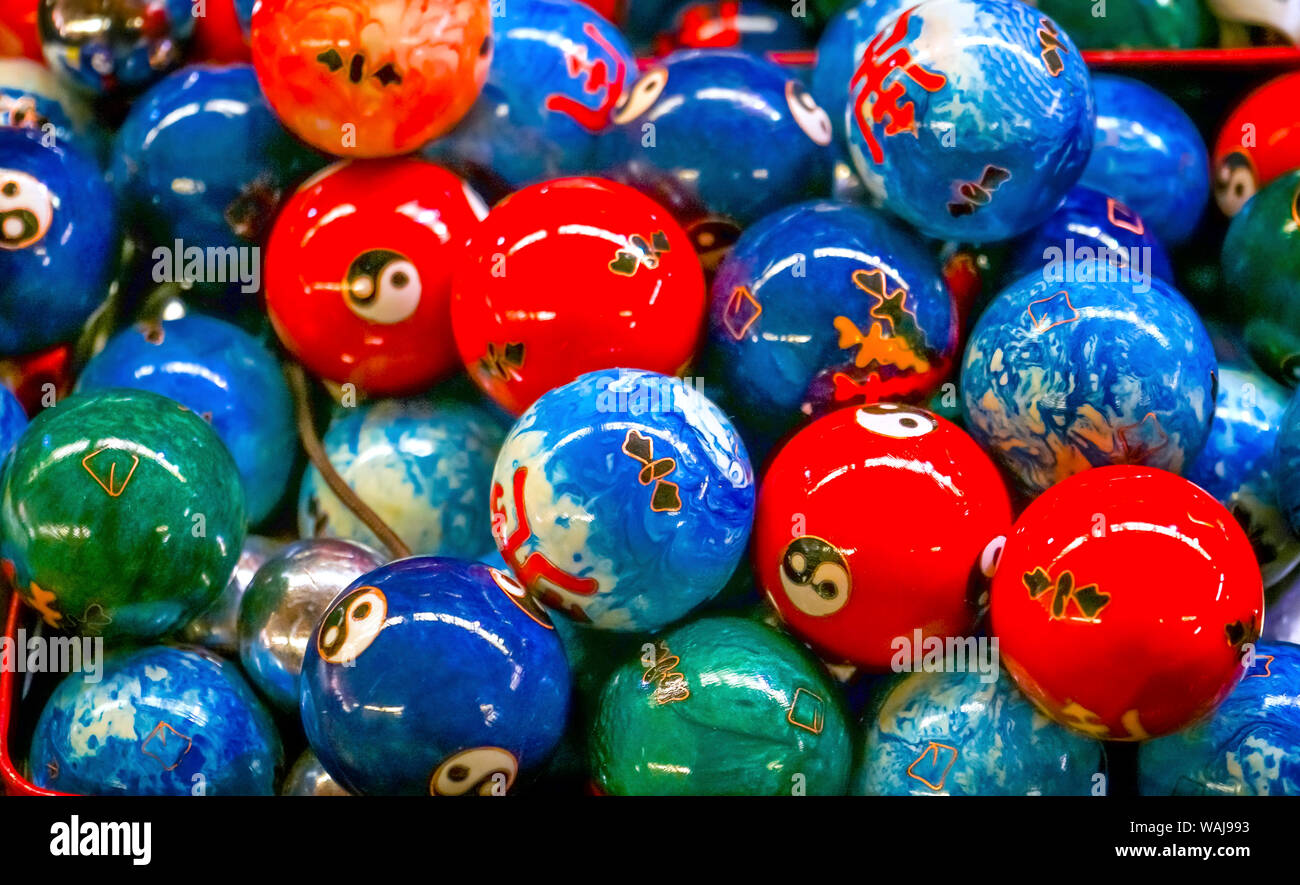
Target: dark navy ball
[
  {"x": 224, "y": 375},
  {"x": 157, "y": 722},
  {"x": 13, "y": 420},
  {"x": 58, "y": 241},
  {"x": 720, "y": 132},
  {"x": 434, "y": 676}
]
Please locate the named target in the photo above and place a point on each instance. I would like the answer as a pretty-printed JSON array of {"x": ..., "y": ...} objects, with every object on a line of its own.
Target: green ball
[
  {"x": 1261, "y": 269},
  {"x": 721, "y": 706},
  {"x": 1132, "y": 24},
  {"x": 121, "y": 514}
]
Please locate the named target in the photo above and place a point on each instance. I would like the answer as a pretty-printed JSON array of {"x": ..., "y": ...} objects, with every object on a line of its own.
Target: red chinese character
[
  {"x": 882, "y": 58},
  {"x": 595, "y": 81},
  {"x": 536, "y": 567}
]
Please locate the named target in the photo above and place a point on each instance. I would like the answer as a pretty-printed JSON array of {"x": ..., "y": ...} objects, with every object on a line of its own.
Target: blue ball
[
  {"x": 222, "y": 373},
  {"x": 1250, "y": 746},
  {"x": 953, "y": 734},
  {"x": 13, "y": 420},
  {"x": 202, "y": 159},
  {"x": 58, "y": 241},
  {"x": 434, "y": 675},
  {"x": 822, "y": 304},
  {"x": 624, "y": 498},
  {"x": 1088, "y": 225},
  {"x": 718, "y": 132},
  {"x": 971, "y": 118},
  {"x": 31, "y": 96},
  {"x": 1062, "y": 376},
  {"x": 1148, "y": 153},
  {"x": 1236, "y": 466},
  {"x": 1287, "y": 463},
  {"x": 160, "y": 722},
  {"x": 424, "y": 466},
  {"x": 558, "y": 70}
]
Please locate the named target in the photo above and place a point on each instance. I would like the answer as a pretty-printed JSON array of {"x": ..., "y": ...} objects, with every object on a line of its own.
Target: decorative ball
[
  {"x": 113, "y": 47},
  {"x": 217, "y": 627}
]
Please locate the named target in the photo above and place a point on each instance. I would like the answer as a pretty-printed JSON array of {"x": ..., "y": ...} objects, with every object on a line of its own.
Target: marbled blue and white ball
[
  {"x": 433, "y": 675},
  {"x": 1060, "y": 376},
  {"x": 1236, "y": 465},
  {"x": 822, "y": 304},
  {"x": 1090, "y": 226},
  {"x": 161, "y": 722},
  {"x": 558, "y": 71},
  {"x": 970, "y": 119},
  {"x": 1287, "y": 463},
  {"x": 1249, "y": 747},
  {"x": 624, "y": 499},
  {"x": 222, "y": 373},
  {"x": 719, "y": 132},
  {"x": 423, "y": 465},
  {"x": 953, "y": 734},
  {"x": 59, "y": 240},
  {"x": 1148, "y": 153},
  {"x": 13, "y": 420}
]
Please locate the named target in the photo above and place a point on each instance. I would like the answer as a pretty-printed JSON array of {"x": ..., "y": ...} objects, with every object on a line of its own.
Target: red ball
[
  {"x": 358, "y": 272},
  {"x": 18, "y": 30},
  {"x": 1123, "y": 600},
  {"x": 218, "y": 37},
  {"x": 872, "y": 523},
  {"x": 572, "y": 276},
  {"x": 363, "y": 79}
]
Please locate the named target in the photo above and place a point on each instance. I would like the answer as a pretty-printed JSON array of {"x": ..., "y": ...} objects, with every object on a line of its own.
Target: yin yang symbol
[
  {"x": 815, "y": 576},
  {"x": 642, "y": 97},
  {"x": 382, "y": 286},
  {"x": 894, "y": 420},
  {"x": 814, "y": 121},
  {"x": 352, "y": 625},
  {"x": 26, "y": 209},
  {"x": 520, "y": 596},
  {"x": 484, "y": 771}
]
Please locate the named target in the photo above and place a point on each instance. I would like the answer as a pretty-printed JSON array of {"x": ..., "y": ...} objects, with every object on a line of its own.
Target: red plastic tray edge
[{"x": 12, "y": 783}]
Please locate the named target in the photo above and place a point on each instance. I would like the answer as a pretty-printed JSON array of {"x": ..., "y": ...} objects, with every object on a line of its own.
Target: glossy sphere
[
  {"x": 1148, "y": 153},
  {"x": 13, "y": 419},
  {"x": 523, "y": 309},
  {"x": 954, "y": 734},
  {"x": 970, "y": 119},
  {"x": 1086, "y": 223},
  {"x": 1061, "y": 375},
  {"x": 434, "y": 676},
  {"x": 558, "y": 70},
  {"x": 753, "y": 26},
  {"x": 1250, "y": 747},
  {"x": 222, "y": 374},
  {"x": 309, "y": 778},
  {"x": 201, "y": 158},
  {"x": 58, "y": 241},
  {"x": 285, "y": 601},
  {"x": 365, "y": 79},
  {"x": 1133, "y": 24},
  {"x": 217, "y": 628},
  {"x": 1287, "y": 462},
  {"x": 18, "y": 34},
  {"x": 1123, "y": 601},
  {"x": 111, "y": 46},
  {"x": 1236, "y": 466},
  {"x": 32, "y": 97},
  {"x": 728, "y": 707},
  {"x": 121, "y": 514},
  {"x": 219, "y": 36},
  {"x": 872, "y": 522},
  {"x": 1261, "y": 268},
  {"x": 358, "y": 272},
  {"x": 823, "y": 304},
  {"x": 424, "y": 466},
  {"x": 1259, "y": 141},
  {"x": 724, "y": 133},
  {"x": 161, "y": 722},
  {"x": 623, "y": 499}
]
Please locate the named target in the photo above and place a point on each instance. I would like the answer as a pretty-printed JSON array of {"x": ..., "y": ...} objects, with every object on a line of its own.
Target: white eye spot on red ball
[
  {"x": 382, "y": 286},
  {"x": 643, "y": 95},
  {"x": 352, "y": 625},
  {"x": 893, "y": 420},
  {"x": 814, "y": 121},
  {"x": 1234, "y": 183},
  {"x": 26, "y": 209},
  {"x": 992, "y": 555}
]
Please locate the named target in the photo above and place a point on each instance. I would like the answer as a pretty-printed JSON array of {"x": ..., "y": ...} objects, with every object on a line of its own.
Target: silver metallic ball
[
  {"x": 109, "y": 46},
  {"x": 309, "y": 778},
  {"x": 288, "y": 596},
  {"x": 218, "y": 627}
]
